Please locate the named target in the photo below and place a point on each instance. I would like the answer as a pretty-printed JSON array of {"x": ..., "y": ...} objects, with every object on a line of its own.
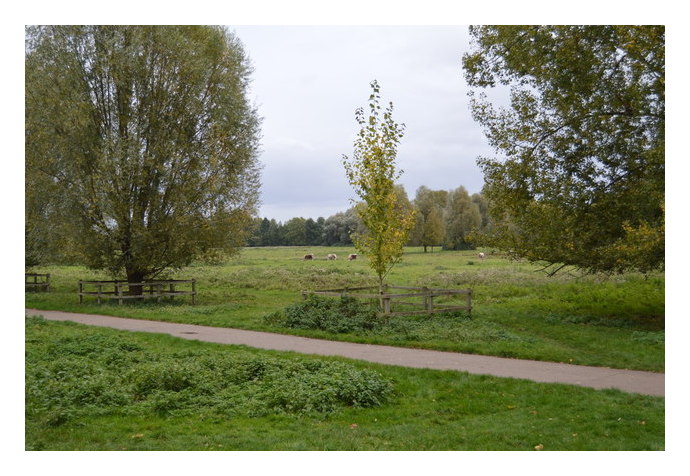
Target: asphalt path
[{"x": 632, "y": 381}]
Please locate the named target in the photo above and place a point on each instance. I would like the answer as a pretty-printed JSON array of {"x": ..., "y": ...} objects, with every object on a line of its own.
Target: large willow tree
[
  {"x": 579, "y": 176},
  {"x": 142, "y": 141}
]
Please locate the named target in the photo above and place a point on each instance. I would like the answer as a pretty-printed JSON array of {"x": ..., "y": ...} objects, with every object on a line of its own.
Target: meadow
[
  {"x": 518, "y": 311},
  {"x": 91, "y": 388}
]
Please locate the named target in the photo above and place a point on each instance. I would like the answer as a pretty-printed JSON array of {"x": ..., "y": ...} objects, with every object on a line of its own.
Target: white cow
[
  {"x": 351, "y": 257},
  {"x": 482, "y": 256},
  {"x": 332, "y": 256}
]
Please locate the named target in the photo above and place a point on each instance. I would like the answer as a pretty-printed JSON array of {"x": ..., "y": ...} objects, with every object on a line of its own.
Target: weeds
[
  {"x": 332, "y": 315},
  {"x": 67, "y": 375}
]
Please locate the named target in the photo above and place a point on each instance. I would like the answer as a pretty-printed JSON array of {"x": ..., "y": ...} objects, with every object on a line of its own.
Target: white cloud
[{"x": 307, "y": 83}]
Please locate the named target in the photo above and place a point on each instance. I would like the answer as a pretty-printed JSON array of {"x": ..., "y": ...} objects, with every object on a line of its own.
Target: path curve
[{"x": 633, "y": 381}]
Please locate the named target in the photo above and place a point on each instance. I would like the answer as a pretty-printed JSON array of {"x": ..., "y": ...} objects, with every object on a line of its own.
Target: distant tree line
[
  {"x": 444, "y": 218},
  {"x": 298, "y": 231},
  {"x": 448, "y": 218}
]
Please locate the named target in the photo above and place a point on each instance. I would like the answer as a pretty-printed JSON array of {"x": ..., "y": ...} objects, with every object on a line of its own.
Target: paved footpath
[{"x": 633, "y": 381}]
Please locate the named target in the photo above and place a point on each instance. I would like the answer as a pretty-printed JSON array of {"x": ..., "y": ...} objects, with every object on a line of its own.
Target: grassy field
[
  {"x": 99, "y": 389},
  {"x": 519, "y": 312}
]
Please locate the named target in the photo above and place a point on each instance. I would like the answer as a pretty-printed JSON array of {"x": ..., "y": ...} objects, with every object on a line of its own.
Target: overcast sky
[{"x": 307, "y": 83}]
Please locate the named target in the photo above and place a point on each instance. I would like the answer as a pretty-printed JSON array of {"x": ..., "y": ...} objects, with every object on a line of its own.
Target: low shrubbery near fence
[
  {"x": 398, "y": 303},
  {"x": 358, "y": 316},
  {"x": 332, "y": 315}
]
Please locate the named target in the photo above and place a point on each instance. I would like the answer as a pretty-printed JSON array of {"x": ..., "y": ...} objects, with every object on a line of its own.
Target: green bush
[{"x": 332, "y": 315}]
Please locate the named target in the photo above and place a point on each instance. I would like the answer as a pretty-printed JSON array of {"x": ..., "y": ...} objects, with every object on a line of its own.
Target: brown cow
[
  {"x": 309, "y": 256},
  {"x": 351, "y": 257}
]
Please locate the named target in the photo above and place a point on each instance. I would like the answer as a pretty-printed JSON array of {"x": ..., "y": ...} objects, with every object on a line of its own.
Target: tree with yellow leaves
[{"x": 372, "y": 173}]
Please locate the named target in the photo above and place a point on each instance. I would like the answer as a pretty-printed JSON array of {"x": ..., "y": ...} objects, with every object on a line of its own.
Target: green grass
[
  {"x": 94, "y": 389},
  {"x": 615, "y": 321}
]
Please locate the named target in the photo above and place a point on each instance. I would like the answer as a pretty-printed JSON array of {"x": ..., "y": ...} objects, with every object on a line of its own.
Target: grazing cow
[
  {"x": 351, "y": 257},
  {"x": 482, "y": 256},
  {"x": 332, "y": 256},
  {"x": 310, "y": 256}
]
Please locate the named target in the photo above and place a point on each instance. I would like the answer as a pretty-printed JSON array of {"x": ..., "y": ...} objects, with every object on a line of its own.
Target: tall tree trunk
[{"x": 135, "y": 276}]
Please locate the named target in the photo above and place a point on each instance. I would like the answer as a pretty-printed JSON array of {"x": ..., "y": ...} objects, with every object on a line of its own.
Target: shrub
[
  {"x": 304, "y": 387},
  {"x": 332, "y": 315}
]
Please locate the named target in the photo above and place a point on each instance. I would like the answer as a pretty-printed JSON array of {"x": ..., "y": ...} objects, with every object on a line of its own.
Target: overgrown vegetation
[
  {"x": 332, "y": 315},
  {"x": 352, "y": 315},
  {"x": 70, "y": 374},
  {"x": 100, "y": 389}
]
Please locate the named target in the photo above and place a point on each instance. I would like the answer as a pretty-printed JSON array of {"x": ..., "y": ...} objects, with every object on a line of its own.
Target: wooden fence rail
[
  {"x": 37, "y": 282},
  {"x": 122, "y": 290},
  {"x": 388, "y": 300}
]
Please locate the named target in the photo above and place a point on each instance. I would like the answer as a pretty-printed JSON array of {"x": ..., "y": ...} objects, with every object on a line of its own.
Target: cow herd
[{"x": 330, "y": 257}]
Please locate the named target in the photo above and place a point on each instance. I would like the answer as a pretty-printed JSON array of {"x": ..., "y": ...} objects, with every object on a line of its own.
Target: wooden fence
[
  {"x": 37, "y": 282},
  {"x": 121, "y": 290},
  {"x": 391, "y": 302}
]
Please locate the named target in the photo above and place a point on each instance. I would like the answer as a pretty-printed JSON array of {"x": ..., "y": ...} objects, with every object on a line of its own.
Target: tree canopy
[
  {"x": 579, "y": 177},
  {"x": 143, "y": 141}
]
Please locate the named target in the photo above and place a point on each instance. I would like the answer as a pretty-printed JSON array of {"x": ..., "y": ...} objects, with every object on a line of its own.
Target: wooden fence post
[
  {"x": 428, "y": 299},
  {"x": 81, "y": 290},
  {"x": 118, "y": 288},
  {"x": 386, "y": 305},
  {"x": 193, "y": 291}
]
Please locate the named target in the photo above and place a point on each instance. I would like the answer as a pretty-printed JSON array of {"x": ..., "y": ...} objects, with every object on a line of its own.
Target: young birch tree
[{"x": 372, "y": 173}]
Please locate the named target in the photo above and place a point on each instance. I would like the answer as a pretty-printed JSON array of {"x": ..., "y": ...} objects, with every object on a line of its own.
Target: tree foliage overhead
[
  {"x": 386, "y": 215},
  {"x": 580, "y": 175},
  {"x": 148, "y": 138}
]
